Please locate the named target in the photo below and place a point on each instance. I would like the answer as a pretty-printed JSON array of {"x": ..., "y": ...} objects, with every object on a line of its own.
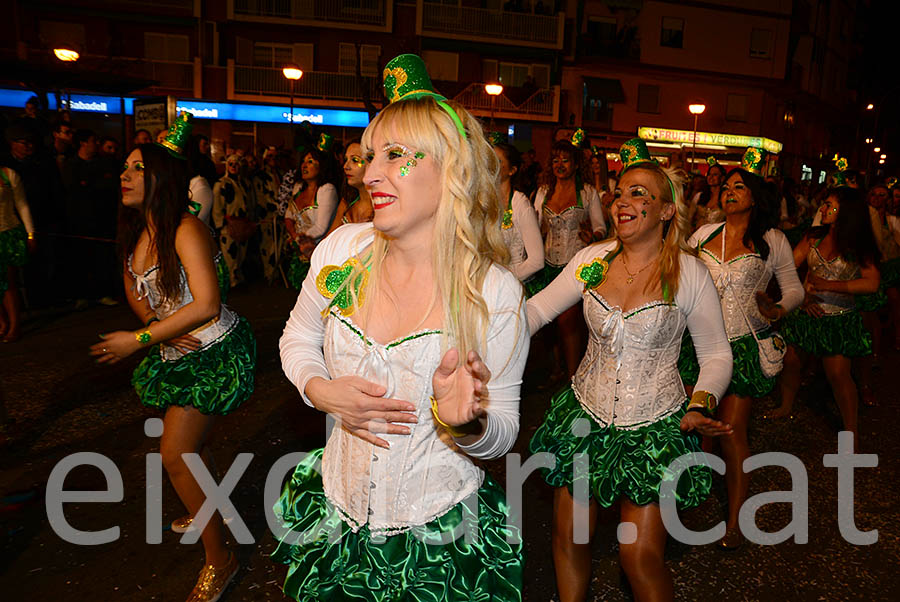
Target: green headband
[{"x": 405, "y": 77}]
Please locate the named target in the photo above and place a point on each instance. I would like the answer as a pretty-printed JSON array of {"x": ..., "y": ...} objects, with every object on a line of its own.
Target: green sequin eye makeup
[{"x": 357, "y": 160}]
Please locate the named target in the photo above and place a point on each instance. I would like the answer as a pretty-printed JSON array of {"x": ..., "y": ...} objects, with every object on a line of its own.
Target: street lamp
[
  {"x": 868, "y": 141},
  {"x": 493, "y": 90},
  {"x": 877, "y": 149},
  {"x": 870, "y": 106},
  {"x": 67, "y": 55},
  {"x": 293, "y": 73},
  {"x": 696, "y": 110},
  {"x": 883, "y": 157}
]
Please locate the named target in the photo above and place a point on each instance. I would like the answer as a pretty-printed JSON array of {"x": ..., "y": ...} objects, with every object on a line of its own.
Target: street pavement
[{"x": 60, "y": 402}]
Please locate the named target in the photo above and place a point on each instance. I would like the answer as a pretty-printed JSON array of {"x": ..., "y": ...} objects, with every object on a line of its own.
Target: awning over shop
[
  {"x": 609, "y": 90},
  {"x": 707, "y": 138}
]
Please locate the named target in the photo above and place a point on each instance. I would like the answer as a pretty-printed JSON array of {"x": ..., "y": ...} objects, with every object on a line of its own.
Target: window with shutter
[
  {"x": 369, "y": 57},
  {"x": 346, "y": 58}
]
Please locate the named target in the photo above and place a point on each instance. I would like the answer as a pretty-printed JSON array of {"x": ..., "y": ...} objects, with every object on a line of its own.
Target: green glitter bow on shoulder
[
  {"x": 405, "y": 77},
  {"x": 592, "y": 274},
  {"x": 753, "y": 160},
  {"x": 179, "y": 134}
]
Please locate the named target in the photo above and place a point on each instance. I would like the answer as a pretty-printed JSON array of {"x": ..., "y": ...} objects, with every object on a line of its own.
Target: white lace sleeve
[
  {"x": 507, "y": 350},
  {"x": 595, "y": 210},
  {"x": 202, "y": 193},
  {"x": 302, "y": 342},
  {"x": 698, "y": 298},
  {"x": 326, "y": 205},
  {"x": 527, "y": 223},
  {"x": 539, "y": 199}
]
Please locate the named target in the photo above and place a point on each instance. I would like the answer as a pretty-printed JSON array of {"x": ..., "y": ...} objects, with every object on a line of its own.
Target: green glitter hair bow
[
  {"x": 405, "y": 77},
  {"x": 634, "y": 153},
  {"x": 325, "y": 142},
  {"x": 753, "y": 160},
  {"x": 176, "y": 139},
  {"x": 839, "y": 178}
]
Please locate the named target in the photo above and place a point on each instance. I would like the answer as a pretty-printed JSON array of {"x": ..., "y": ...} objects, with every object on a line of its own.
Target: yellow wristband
[
  {"x": 703, "y": 400},
  {"x": 434, "y": 412},
  {"x": 143, "y": 337}
]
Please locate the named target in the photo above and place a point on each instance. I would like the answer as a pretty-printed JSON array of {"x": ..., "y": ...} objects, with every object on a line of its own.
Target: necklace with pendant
[{"x": 631, "y": 276}]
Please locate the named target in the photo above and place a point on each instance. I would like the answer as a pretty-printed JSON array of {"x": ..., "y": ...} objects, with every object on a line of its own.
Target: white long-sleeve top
[
  {"x": 523, "y": 239},
  {"x": 14, "y": 209},
  {"x": 740, "y": 278},
  {"x": 314, "y": 220},
  {"x": 885, "y": 235},
  {"x": 629, "y": 375},
  {"x": 425, "y": 473},
  {"x": 561, "y": 230},
  {"x": 201, "y": 192}
]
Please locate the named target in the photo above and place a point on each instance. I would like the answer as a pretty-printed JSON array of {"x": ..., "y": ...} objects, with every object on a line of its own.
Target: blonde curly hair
[{"x": 467, "y": 237}]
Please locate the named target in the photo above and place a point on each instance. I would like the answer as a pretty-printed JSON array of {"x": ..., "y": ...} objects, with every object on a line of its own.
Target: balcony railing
[
  {"x": 360, "y": 13},
  {"x": 542, "y": 103},
  {"x": 494, "y": 26},
  {"x": 263, "y": 81}
]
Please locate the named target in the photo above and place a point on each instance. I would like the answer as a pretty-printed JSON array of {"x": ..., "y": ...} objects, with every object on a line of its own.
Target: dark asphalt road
[{"x": 63, "y": 403}]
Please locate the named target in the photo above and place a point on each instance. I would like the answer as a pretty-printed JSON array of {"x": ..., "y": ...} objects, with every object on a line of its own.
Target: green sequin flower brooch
[
  {"x": 592, "y": 274},
  {"x": 330, "y": 283}
]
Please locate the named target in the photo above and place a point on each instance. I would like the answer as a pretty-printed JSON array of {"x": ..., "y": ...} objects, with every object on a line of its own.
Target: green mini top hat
[
  {"x": 325, "y": 142},
  {"x": 891, "y": 183},
  {"x": 712, "y": 161},
  {"x": 634, "y": 152},
  {"x": 406, "y": 78},
  {"x": 753, "y": 160},
  {"x": 578, "y": 137},
  {"x": 176, "y": 139},
  {"x": 495, "y": 138}
]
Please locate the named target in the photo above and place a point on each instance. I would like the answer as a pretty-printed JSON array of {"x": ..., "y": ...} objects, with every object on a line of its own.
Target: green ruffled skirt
[
  {"x": 298, "y": 268},
  {"x": 630, "y": 463},
  {"x": 215, "y": 380},
  {"x": 842, "y": 334},
  {"x": 402, "y": 566},
  {"x": 541, "y": 279},
  {"x": 890, "y": 278},
  {"x": 747, "y": 379},
  {"x": 13, "y": 252}
]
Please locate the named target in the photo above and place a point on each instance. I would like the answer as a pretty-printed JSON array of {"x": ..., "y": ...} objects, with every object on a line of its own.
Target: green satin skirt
[
  {"x": 215, "y": 380},
  {"x": 298, "y": 268},
  {"x": 842, "y": 334},
  {"x": 541, "y": 279},
  {"x": 13, "y": 252},
  {"x": 747, "y": 379},
  {"x": 890, "y": 278},
  {"x": 629, "y": 463},
  {"x": 354, "y": 566}
]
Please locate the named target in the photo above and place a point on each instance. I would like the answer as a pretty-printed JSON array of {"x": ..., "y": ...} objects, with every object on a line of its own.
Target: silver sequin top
[{"x": 836, "y": 269}]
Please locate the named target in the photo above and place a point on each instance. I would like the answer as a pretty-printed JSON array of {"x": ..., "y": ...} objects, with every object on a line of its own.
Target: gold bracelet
[
  {"x": 434, "y": 412},
  {"x": 144, "y": 337},
  {"x": 703, "y": 401}
]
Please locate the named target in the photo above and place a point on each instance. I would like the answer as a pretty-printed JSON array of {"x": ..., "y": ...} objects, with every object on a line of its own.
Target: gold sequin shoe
[
  {"x": 182, "y": 525},
  {"x": 213, "y": 581}
]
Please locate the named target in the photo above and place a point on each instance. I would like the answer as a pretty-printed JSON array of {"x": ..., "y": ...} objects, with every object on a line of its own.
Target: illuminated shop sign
[
  {"x": 203, "y": 110},
  {"x": 686, "y": 137}
]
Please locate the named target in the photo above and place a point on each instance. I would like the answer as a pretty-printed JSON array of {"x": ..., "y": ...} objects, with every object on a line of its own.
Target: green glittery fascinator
[
  {"x": 753, "y": 160},
  {"x": 635, "y": 153},
  {"x": 405, "y": 77},
  {"x": 176, "y": 139},
  {"x": 325, "y": 142},
  {"x": 839, "y": 178},
  {"x": 711, "y": 161},
  {"x": 495, "y": 138},
  {"x": 578, "y": 137}
]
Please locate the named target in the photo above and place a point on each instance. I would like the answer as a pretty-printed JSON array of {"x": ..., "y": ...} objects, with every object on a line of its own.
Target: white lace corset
[
  {"x": 629, "y": 375},
  {"x": 512, "y": 236},
  {"x": 737, "y": 281},
  {"x": 146, "y": 285},
  {"x": 836, "y": 269},
  {"x": 422, "y": 475},
  {"x": 305, "y": 217},
  {"x": 561, "y": 240}
]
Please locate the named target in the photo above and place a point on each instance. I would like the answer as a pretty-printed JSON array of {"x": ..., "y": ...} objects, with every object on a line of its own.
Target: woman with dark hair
[
  {"x": 742, "y": 255},
  {"x": 356, "y": 206},
  {"x": 309, "y": 213},
  {"x": 204, "y": 355},
  {"x": 843, "y": 261},
  {"x": 707, "y": 207},
  {"x": 571, "y": 217},
  {"x": 519, "y": 224}
]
